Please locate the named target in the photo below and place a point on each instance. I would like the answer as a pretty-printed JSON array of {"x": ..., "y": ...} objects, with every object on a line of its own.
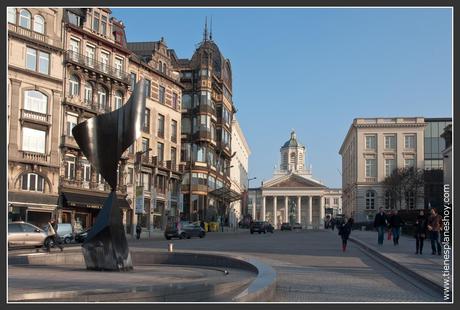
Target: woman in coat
[
  {"x": 420, "y": 231},
  {"x": 344, "y": 232}
]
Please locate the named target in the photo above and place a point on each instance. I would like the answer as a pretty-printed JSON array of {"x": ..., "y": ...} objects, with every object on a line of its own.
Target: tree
[
  {"x": 394, "y": 184},
  {"x": 405, "y": 182}
]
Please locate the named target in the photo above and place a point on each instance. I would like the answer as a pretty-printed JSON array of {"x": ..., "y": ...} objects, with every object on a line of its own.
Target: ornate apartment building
[
  {"x": 372, "y": 149},
  {"x": 206, "y": 131},
  {"x": 68, "y": 65}
]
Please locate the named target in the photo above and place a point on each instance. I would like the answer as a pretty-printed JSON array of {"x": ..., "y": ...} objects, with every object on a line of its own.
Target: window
[
  {"x": 174, "y": 131},
  {"x": 160, "y": 152},
  {"x": 174, "y": 101},
  {"x": 200, "y": 153},
  {"x": 145, "y": 180},
  {"x": 161, "y": 94},
  {"x": 186, "y": 125},
  {"x": 43, "y": 61},
  {"x": 43, "y": 64},
  {"x": 90, "y": 54},
  {"x": 409, "y": 141},
  {"x": 96, "y": 22},
  {"x": 186, "y": 101},
  {"x": 371, "y": 165},
  {"x": 161, "y": 126},
  {"x": 164, "y": 68},
  {"x": 326, "y": 201},
  {"x": 185, "y": 152},
  {"x": 336, "y": 201},
  {"x": 35, "y": 101},
  {"x": 202, "y": 123},
  {"x": 74, "y": 48},
  {"x": 173, "y": 156},
  {"x": 86, "y": 169},
  {"x": 160, "y": 66},
  {"x": 133, "y": 79},
  {"x": 370, "y": 199},
  {"x": 145, "y": 144},
  {"x": 24, "y": 19},
  {"x": 74, "y": 86},
  {"x": 71, "y": 122},
  {"x": 148, "y": 87},
  {"x": 146, "y": 123},
  {"x": 409, "y": 163},
  {"x": 390, "y": 165},
  {"x": 31, "y": 59},
  {"x": 33, "y": 140},
  {"x": 104, "y": 25},
  {"x": 205, "y": 97},
  {"x": 389, "y": 202},
  {"x": 226, "y": 116},
  {"x": 371, "y": 142},
  {"x": 105, "y": 56},
  {"x": 33, "y": 182},
  {"x": 88, "y": 93},
  {"x": 102, "y": 94},
  {"x": 118, "y": 98},
  {"x": 118, "y": 66},
  {"x": 69, "y": 167},
  {"x": 410, "y": 200},
  {"x": 390, "y": 142},
  {"x": 39, "y": 24},
  {"x": 12, "y": 15},
  {"x": 74, "y": 19},
  {"x": 130, "y": 176}
]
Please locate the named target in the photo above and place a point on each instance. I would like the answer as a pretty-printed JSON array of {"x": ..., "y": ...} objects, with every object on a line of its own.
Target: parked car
[
  {"x": 64, "y": 232},
  {"x": 286, "y": 226},
  {"x": 184, "y": 230},
  {"x": 81, "y": 236},
  {"x": 297, "y": 226},
  {"x": 258, "y": 226},
  {"x": 22, "y": 234},
  {"x": 269, "y": 227}
]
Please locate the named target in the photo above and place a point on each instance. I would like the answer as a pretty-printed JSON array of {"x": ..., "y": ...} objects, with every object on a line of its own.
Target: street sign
[{"x": 140, "y": 200}]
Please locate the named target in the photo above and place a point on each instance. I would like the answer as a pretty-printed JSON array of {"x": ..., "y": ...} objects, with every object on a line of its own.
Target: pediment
[{"x": 294, "y": 181}]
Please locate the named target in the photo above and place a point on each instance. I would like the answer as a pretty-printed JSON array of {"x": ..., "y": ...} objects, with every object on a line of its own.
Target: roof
[
  {"x": 226, "y": 194},
  {"x": 292, "y": 142}
]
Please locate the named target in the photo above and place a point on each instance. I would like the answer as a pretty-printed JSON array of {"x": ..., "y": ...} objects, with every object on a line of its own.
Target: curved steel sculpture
[{"x": 103, "y": 139}]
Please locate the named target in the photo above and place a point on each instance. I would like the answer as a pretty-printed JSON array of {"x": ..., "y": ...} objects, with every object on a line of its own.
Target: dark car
[
  {"x": 286, "y": 226},
  {"x": 297, "y": 226},
  {"x": 258, "y": 226},
  {"x": 269, "y": 227},
  {"x": 184, "y": 230},
  {"x": 82, "y": 235}
]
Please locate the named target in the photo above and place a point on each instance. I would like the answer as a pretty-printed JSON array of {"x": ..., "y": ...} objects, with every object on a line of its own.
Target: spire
[
  {"x": 205, "y": 33},
  {"x": 210, "y": 32},
  {"x": 293, "y": 135}
]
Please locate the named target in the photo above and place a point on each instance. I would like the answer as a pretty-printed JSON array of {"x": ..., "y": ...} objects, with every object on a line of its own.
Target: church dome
[{"x": 292, "y": 142}]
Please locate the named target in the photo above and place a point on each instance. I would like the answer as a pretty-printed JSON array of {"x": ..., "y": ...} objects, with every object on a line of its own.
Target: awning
[
  {"x": 90, "y": 201},
  {"x": 24, "y": 198},
  {"x": 226, "y": 194}
]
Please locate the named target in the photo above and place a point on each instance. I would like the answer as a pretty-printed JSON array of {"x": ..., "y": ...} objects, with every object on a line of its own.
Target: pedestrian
[
  {"x": 344, "y": 232},
  {"x": 138, "y": 231},
  {"x": 332, "y": 223},
  {"x": 53, "y": 236},
  {"x": 380, "y": 222},
  {"x": 396, "y": 222},
  {"x": 420, "y": 232},
  {"x": 434, "y": 227}
]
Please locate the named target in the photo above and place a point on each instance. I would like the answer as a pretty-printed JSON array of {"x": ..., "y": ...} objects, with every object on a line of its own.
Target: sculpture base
[{"x": 106, "y": 247}]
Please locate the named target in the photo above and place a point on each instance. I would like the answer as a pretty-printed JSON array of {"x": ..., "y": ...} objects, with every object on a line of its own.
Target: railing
[
  {"x": 33, "y": 156},
  {"x": 89, "y": 104},
  {"x": 28, "y": 33},
  {"x": 91, "y": 63},
  {"x": 36, "y": 116},
  {"x": 370, "y": 179}
]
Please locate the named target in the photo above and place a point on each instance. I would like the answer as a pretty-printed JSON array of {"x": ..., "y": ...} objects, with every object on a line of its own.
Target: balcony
[
  {"x": 35, "y": 116},
  {"x": 370, "y": 179},
  {"x": 87, "y": 104},
  {"x": 204, "y": 108},
  {"x": 97, "y": 66},
  {"x": 69, "y": 141},
  {"x": 202, "y": 134},
  {"x": 34, "y": 157},
  {"x": 30, "y": 34}
]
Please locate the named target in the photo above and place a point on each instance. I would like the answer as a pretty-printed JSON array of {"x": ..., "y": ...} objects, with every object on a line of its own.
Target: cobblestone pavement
[{"x": 310, "y": 265}]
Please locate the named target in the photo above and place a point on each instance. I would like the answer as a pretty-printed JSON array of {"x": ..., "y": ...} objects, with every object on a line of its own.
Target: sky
[{"x": 315, "y": 70}]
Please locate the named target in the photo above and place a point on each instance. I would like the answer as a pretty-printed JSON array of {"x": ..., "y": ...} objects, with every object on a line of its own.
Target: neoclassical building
[{"x": 292, "y": 195}]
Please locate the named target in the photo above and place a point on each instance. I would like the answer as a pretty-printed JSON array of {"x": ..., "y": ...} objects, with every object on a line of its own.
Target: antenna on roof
[
  {"x": 205, "y": 34},
  {"x": 210, "y": 32}
]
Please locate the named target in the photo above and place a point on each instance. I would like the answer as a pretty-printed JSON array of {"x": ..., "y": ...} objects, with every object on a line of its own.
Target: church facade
[{"x": 293, "y": 195}]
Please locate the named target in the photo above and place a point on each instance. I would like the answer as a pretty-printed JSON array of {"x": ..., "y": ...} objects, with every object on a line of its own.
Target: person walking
[
  {"x": 53, "y": 236},
  {"x": 380, "y": 222},
  {"x": 420, "y": 232},
  {"x": 138, "y": 231},
  {"x": 434, "y": 227},
  {"x": 396, "y": 222},
  {"x": 344, "y": 232},
  {"x": 333, "y": 223}
]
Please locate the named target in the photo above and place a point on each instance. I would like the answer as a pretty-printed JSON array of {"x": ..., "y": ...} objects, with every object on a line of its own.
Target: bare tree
[{"x": 404, "y": 182}]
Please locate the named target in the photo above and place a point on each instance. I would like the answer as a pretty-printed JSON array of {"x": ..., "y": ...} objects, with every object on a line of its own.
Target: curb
[{"x": 431, "y": 284}]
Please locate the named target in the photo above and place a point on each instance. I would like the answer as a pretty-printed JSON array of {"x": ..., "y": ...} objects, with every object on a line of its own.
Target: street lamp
[{"x": 138, "y": 163}]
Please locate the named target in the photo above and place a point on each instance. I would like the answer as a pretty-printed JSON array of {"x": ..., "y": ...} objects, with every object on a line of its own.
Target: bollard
[{"x": 170, "y": 247}]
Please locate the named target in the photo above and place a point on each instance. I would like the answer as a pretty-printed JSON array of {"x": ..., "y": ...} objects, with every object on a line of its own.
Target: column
[
  {"x": 321, "y": 210},
  {"x": 286, "y": 220},
  {"x": 310, "y": 223},
  {"x": 275, "y": 221},
  {"x": 15, "y": 130},
  {"x": 263, "y": 208},
  {"x": 299, "y": 201},
  {"x": 254, "y": 209}
]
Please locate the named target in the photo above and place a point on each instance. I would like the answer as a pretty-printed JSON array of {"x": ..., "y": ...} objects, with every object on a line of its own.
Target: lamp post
[{"x": 138, "y": 163}]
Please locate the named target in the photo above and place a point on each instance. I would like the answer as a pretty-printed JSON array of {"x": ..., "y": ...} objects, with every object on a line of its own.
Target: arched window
[
  {"x": 12, "y": 15},
  {"x": 118, "y": 99},
  {"x": 186, "y": 101},
  {"x": 102, "y": 98},
  {"x": 389, "y": 203},
  {"x": 164, "y": 68},
  {"x": 32, "y": 182},
  {"x": 24, "y": 19},
  {"x": 370, "y": 199},
  {"x": 39, "y": 24},
  {"x": 88, "y": 93},
  {"x": 293, "y": 158},
  {"x": 160, "y": 66},
  {"x": 74, "y": 85},
  {"x": 35, "y": 101}
]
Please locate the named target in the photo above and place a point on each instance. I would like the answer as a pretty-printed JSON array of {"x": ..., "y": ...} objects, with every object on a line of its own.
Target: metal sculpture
[{"x": 103, "y": 139}]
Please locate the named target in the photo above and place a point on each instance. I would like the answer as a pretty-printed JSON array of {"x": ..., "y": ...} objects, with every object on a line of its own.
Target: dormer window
[
  {"x": 104, "y": 25},
  {"x": 96, "y": 22}
]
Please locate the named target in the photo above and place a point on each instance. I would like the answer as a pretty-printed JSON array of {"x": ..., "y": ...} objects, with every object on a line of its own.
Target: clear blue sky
[{"x": 315, "y": 70}]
